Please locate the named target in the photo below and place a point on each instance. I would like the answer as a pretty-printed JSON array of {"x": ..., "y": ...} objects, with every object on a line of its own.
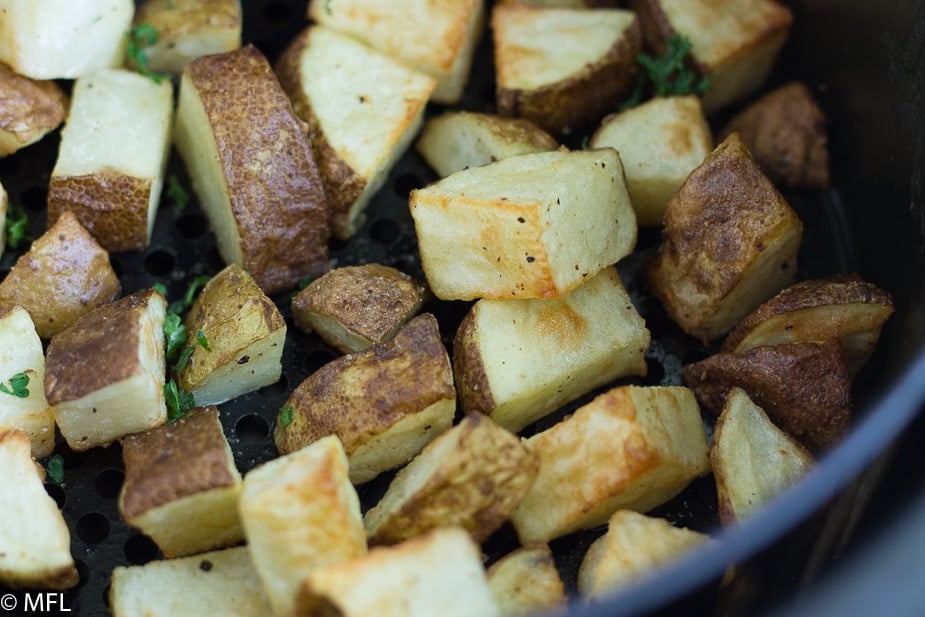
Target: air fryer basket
[{"x": 864, "y": 225}]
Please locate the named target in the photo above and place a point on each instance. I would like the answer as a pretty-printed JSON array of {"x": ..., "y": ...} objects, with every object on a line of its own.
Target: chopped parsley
[
  {"x": 55, "y": 469},
  {"x": 181, "y": 305},
  {"x": 666, "y": 75},
  {"x": 285, "y": 416},
  {"x": 183, "y": 360},
  {"x": 18, "y": 386},
  {"x": 160, "y": 287},
  {"x": 179, "y": 401},
  {"x": 17, "y": 226},
  {"x": 176, "y": 336},
  {"x": 202, "y": 340},
  {"x": 177, "y": 194},
  {"x": 140, "y": 38}
]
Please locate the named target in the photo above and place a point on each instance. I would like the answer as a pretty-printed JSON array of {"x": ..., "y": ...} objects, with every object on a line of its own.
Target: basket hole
[
  {"x": 139, "y": 550},
  {"x": 93, "y": 528},
  {"x": 404, "y": 184},
  {"x": 159, "y": 262},
  {"x": 384, "y": 231},
  {"x": 57, "y": 493},
  {"x": 318, "y": 358},
  {"x": 34, "y": 198},
  {"x": 252, "y": 428},
  {"x": 280, "y": 388},
  {"x": 192, "y": 225},
  {"x": 109, "y": 483}
]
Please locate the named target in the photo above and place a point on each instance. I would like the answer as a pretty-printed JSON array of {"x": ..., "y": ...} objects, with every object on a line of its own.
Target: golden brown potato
[
  {"x": 355, "y": 307},
  {"x": 752, "y": 459},
  {"x": 563, "y": 68},
  {"x": 785, "y": 131},
  {"x": 472, "y": 476},
  {"x": 64, "y": 275},
  {"x": 730, "y": 242},
  {"x": 805, "y": 388},
  {"x": 29, "y": 110},
  {"x": 260, "y": 188},
  {"x": 526, "y": 581}
]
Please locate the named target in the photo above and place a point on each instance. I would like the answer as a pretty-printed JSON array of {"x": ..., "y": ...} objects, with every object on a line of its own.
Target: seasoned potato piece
[
  {"x": 526, "y": 581},
  {"x": 635, "y": 545},
  {"x": 181, "y": 486},
  {"x": 187, "y": 29},
  {"x": 217, "y": 583},
  {"x": 730, "y": 243},
  {"x": 300, "y": 512},
  {"x": 660, "y": 142},
  {"x": 63, "y": 39},
  {"x": 385, "y": 404},
  {"x": 111, "y": 355},
  {"x": 437, "y": 37},
  {"x": 64, "y": 275},
  {"x": 29, "y": 110},
  {"x": 785, "y": 131},
  {"x": 457, "y": 140},
  {"x": 362, "y": 108},
  {"x": 113, "y": 190},
  {"x": 752, "y": 459},
  {"x": 35, "y": 545},
  {"x": 563, "y": 68},
  {"x": 472, "y": 476},
  {"x": 805, "y": 388},
  {"x": 252, "y": 167},
  {"x": 655, "y": 446},
  {"x": 439, "y": 573},
  {"x": 586, "y": 339},
  {"x": 245, "y": 334},
  {"x": 355, "y": 307},
  {"x": 530, "y": 226},
  {"x": 735, "y": 42},
  {"x": 24, "y": 408}
]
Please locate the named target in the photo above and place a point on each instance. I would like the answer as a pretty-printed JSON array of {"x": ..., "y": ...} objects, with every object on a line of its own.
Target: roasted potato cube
[
  {"x": 805, "y": 388},
  {"x": 437, "y": 38},
  {"x": 730, "y": 242},
  {"x": 252, "y": 167},
  {"x": 23, "y": 359},
  {"x": 586, "y": 339},
  {"x": 217, "y": 583},
  {"x": 563, "y": 68},
  {"x": 385, "y": 404},
  {"x": 526, "y": 581},
  {"x": 181, "y": 486},
  {"x": 35, "y": 545},
  {"x": 752, "y": 459},
  {"x": 300, "y": 512},
  {"x": 29, "y": 110},
  {"x": 734, "y": 42},
  {"x": 355, "y": 307},
  {"x": 530, "y": 226},
  {"x": 64, "y": 275},
  {"x": 660, "y": 142},
  {"x": 111, "y": 355},
  {"x": 785, "y": 131},
  {"x": 635, "y": 545},
  {"x": 187, "y": 29},
  {"x": 244, "y": 332},
  {"x": 439, "y": 573},
  {"x": 113, "y": 190},
  {"x": 472, "y": 476},
  {"x": 457, "y": 140},
  {"x": 63, "y": 39},
  {"x": 362, "y": 108},
  {"x": 655, "y": 445}
]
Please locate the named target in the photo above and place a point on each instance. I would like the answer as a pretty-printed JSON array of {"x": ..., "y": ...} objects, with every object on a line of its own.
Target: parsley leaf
[
  {"x": 181, "y": 305},
  {"x": 666, "y": 75},
  {"x": 175, "y": 334},
  {"x": 203, "y": 341},
  {"x": 17, "y": 226},
  {"x": 183, "y": 360},
  {"x": 160, "y": 287},
  {"x": 178, "y": 195},
  {"x": 285, "y": 416},
  {"x": 179, "y": 401},
  {"x": 140, "y": 38},
  {"x": 18, "y": 383},
  {"x": 55, "y": 469}
]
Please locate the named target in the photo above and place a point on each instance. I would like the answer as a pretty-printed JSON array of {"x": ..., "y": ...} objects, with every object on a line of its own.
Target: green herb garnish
[
  {"x": 17, "y": 226},
  {"x": 18, "y": 386},
  {"x": 179, "y": 401},
  {"x": 302, "y": 285},
  {"x": 175, "y": 334},
  {"x": 177, "y": 194},
  {"x": 140, "y": 38},
  {"x": 55, "y": 468},
  {"x": 666, "y": 75},
  {"x": 285, "y": 416},
  {"x": 160, "y": 287},
  {"x": 203, "y": 341},
  {"x": 181, "y": 305},
  {"x": 327, "y": 6},
  {"x": 183, "y": 360}
]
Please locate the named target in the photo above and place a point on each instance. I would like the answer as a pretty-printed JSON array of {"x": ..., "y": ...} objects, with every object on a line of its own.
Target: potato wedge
[
  {"x": 525, "y": 581},
  {"x": 752, "y": 459},
  {"x": 29, "y": 110}
]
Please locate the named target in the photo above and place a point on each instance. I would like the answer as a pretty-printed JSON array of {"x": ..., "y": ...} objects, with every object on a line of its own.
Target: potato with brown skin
[
  {"x": 563, "y": 68},
  {"x": 526, "y": 581},
  {"x": 29, "y": 110},
  {"x": 805, "y": 388},
  {"x": 64, "y": 275}
]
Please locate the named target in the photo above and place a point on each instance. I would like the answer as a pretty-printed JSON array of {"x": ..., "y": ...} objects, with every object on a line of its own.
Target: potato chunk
[
  {"x": 252, "y": 167},
  {"x": 660, "y": 142},
  {"x": 64, "y": 275},
  {"x": 385, "y": 404},
  {"x": 111, "y": 355},
  {"x": 355, "y": 307},
  {"x": 530, "y": 226},
  {"x": 587, "y": 338},
  {"x": 655, "y": 445},
  {"x": 526, "y": 581},
  {"x": 362, "y": 108},
  {"x": 181, "y": 486},
  {"x": 114, "y": 190},
  {"x": 29, "y": 110},
  {"x": 245, "y": 334},
  {"x": 730, "y": 243},
  {"x": 472, "y": 476},
  {"x": 563, "y": 68},
  {"x": 35, "y": 545},
  {"x": 27, "y": 408},
  {"x": 436, "y": 37},
  {"x": 752, "y": 459}
]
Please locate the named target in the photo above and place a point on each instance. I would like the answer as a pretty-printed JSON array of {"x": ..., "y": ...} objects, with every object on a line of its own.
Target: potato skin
[{"x": 29, "y": 109}]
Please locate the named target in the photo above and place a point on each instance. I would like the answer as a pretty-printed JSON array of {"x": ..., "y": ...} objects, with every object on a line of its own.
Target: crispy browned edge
[
  {"x": 29, "y": 108},
  {"x": 472, "y": 386}
]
